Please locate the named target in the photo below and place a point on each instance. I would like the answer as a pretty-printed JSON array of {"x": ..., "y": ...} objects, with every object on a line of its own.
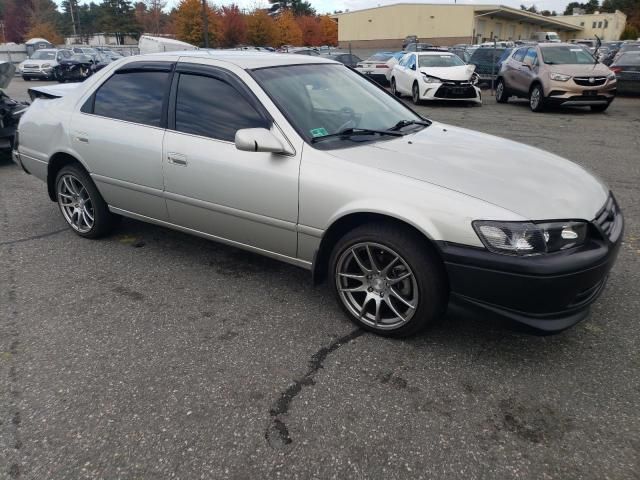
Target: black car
[
  {"x": 79, "y": 67},
  {"x": 627, "y": 70},
  {"x": 346, "y": 58},
  {"x": 486, "y": 60},
  {"x": 10, "y": 110}
]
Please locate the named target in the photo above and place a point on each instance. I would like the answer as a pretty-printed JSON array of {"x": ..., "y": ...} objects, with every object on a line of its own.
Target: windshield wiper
[
  {"x": 350, "y": 132},
  {"x": 405, "y": 123}
]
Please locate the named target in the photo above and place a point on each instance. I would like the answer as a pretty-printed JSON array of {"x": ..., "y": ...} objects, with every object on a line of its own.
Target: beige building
[
  {"x": 440, "y": 24},
  {"x": 607, "y": 26}
]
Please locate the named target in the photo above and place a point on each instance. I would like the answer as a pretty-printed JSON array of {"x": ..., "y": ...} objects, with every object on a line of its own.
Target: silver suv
[{"x": 303, "y": 160}]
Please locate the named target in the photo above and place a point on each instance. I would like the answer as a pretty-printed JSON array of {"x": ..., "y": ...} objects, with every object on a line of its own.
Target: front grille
[
  {"x": 609, "y": 220},
  {"x": 455, "y": 89},
  {"x": 590, "y": 81},
  {"x": 33, "y": 68}
]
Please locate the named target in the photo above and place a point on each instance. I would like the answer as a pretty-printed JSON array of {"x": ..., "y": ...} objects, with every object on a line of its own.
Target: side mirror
[
  {"x": 258, "y": 140},
  {"x": 413, "y": 67}
]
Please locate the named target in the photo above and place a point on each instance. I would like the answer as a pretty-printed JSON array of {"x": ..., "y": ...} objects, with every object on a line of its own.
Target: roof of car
[
  {"x": 434, "y": 52},
  {"x": 247, "y": 59}
]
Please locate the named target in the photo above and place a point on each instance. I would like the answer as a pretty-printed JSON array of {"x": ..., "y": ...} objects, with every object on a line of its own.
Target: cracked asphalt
[{"x": 153, "y": 354}]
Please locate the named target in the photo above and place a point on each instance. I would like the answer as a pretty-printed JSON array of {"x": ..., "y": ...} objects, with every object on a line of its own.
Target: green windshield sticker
[{"x": 318, "y": 132}]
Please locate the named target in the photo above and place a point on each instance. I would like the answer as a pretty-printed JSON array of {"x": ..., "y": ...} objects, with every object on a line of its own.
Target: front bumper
[
  {"x": 46, "y": 74},
  {"x": 571, "y": 94},
  {"x": 549, "y": 293},
  {"x": 454, "y": 92}
]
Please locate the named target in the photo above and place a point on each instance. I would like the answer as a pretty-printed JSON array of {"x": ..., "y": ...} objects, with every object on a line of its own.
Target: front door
[{"x": 210, "y": 186}]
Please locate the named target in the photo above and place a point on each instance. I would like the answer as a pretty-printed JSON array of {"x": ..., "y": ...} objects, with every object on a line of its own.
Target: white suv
[{"x": 41, "y": 64}]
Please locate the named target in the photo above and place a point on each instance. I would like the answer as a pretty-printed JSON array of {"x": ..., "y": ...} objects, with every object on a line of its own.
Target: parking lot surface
[{"x": 153, "y": 354}]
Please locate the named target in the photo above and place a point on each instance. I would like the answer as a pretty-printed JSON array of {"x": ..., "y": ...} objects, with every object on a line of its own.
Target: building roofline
[{"x": 534, "y": 17}]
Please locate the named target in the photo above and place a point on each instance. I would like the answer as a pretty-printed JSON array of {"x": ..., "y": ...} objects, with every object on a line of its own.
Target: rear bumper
[
  {"x": 39, "y": 75},
  {"x": 549, "y": 293},
  {"x": 380, "y": 78}
]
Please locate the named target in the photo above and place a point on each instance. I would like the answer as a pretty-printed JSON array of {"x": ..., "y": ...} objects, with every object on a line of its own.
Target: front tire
[
  {"x": 81, "y": 205},
  {"x": 415, "y": 94},
  {"x": 394, "y": 88},
  {"x": 536, "y": 98},
  {"x": 388, "y": 280},
  {"x": 501, "y": 92},
  {"x": 26, "y": 79}
]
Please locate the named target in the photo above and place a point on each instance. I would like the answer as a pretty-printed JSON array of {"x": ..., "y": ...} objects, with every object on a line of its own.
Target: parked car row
[{"x": 66, "y": 64}]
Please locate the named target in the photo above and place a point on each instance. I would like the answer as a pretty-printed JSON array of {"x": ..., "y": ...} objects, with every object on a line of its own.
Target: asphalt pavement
[{"x": 153, "y": 354}]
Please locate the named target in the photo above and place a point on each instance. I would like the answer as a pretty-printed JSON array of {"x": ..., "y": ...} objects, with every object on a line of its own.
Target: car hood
[
  {"x": 29, "y": 61},
  {"x": 530, "y": 182},
  {"x": 580, "y": 70},
  {"x": 7, "y": 71},
  {"x": 462, "y": 72}
]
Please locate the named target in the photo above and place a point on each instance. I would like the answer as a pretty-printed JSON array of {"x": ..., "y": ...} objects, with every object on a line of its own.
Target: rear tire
[
  {"x": 537, "y": 102},
  {"x": 501, "y": 92},
  {"x": 600, "y": 108},
  {"x": 394, "y": 298},
  {"x": 81, "y": 204},
  {"x": 26, "y": 79}
]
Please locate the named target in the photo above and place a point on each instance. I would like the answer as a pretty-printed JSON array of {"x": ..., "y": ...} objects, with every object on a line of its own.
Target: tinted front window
[
  {"x": 213, "y": 108},
  {"x": 519, "y": 55},
  {"x": 133, "y": 96},
  {"x": 566, "y": 55},
  {"x": 439, "y": 61}
]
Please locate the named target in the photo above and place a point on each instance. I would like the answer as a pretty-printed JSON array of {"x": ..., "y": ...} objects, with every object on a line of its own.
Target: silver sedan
[{"x": 302, "y": 159}]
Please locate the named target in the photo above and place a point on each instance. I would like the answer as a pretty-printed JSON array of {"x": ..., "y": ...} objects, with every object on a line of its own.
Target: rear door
[{"x": 118, "y": 133}]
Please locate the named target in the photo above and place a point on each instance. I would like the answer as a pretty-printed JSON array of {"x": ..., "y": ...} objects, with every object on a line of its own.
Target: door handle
[
  {"x": 177, "y": 159},
  {"x": 82, "y": 137}
]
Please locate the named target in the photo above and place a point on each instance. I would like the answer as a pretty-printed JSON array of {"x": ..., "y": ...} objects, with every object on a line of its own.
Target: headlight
[
  {"x": 527, "y": 238},
  {"x": 46, "y": 65},
  {"x": 429, "y": 79},
  {"x": 559, "y": 77},
  {"x": 611, "y": 76},
  {"x": 474, "y": 78}
]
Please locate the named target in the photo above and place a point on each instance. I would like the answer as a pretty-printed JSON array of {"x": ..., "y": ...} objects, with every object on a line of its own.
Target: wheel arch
[
  {"x": 56, "y": 162},
  {"x": 342, "y": 225}
]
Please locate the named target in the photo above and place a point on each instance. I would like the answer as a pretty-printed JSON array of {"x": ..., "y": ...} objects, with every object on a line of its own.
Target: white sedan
[{"x": 435, "y": 75}]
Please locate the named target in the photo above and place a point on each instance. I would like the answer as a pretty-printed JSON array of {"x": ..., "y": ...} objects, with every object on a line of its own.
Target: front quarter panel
[{"x": 331, "y": 188}]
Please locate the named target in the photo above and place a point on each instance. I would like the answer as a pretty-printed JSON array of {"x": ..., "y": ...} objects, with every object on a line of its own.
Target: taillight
[
  {"x": 382, "y": 65},
  {"x": 615, "y": 69}
]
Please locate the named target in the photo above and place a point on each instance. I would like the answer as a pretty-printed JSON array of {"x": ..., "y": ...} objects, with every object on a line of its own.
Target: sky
[{"x": 328, "y": 6}]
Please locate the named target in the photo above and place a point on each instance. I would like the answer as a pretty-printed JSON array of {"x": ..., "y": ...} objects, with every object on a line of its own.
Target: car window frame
[
  {"x": 217, "y": 73},
  {"x": 524, "y": 53},
  {"x": 535, "y": 58},
  {"x": 88, "y": 105}
]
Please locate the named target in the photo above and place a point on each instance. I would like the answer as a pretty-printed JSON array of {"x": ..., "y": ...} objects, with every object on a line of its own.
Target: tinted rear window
[
  {"x": 133, "y": 96},
  {"x": 629, "y": 59}
]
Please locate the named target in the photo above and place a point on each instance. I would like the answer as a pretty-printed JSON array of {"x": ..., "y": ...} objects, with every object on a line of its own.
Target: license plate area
[{"x": 590, "y": 93}]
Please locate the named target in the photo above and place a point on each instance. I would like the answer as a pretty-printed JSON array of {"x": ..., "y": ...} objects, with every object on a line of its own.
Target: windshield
[
  {"x": 325, "y": 99},
  {"x": 43, "y": 55},
  {"x": 566, "y": 55},
  {"x": 439, "y": 61}
]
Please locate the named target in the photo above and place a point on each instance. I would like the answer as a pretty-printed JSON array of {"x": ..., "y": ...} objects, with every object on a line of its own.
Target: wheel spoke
[
  {"x": 359, "y": 262},
  {"x": 352, "y": 276},
  {"x": 85, "y": 218},
  {"x": 359, "y": 288},
  {"x": 374, "y": 267},
  {"x": 401, "y": 299},
  {"x": 364, "y": 306},
  {"x": 88, "y": 214},
  {"x": 393, "y": 281},
  {"x": 386, "y": 269},
  {"x": 65, "y": 195},
  {"x": 378, "y": 308},
  {"x": 392, "y": 307},
  {"x": 68, "y": 185}
]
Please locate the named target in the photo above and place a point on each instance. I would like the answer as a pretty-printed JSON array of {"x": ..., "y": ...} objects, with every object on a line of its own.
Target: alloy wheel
[
  {"x": 376, "y": 285},
  {"x": 499, "y": 91},
  {"x": 75, "y": 203},
  {"x": 534, "y": 101}
]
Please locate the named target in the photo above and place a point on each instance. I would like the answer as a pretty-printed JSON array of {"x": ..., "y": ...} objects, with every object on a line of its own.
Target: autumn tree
[
  {"x": 46, "y": 30},
  {"x": 188, "y": 23},
  {"x": 329, "y": 28},
  {"x": 15, "y": 20},
  {"x": 311, "y": 30},
  {"x": 261, "y": 29},
  {"x": 289, "y": 32},
  {"x": 233, "y": 25}
]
